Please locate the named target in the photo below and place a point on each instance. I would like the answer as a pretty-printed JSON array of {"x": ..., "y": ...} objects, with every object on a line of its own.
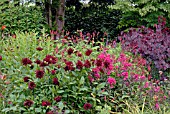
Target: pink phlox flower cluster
[
  {"x": 125, "y": 75},
  {"x": 111, "y": 81}
]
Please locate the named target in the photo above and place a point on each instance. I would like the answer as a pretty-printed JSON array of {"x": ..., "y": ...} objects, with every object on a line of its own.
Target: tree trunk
[{"x": 60, "y": 12}]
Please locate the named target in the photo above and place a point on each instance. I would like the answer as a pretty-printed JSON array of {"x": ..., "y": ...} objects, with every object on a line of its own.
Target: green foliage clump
[
  {"x": 142, "y": 12},
  {"x": 21, "y": 17}
]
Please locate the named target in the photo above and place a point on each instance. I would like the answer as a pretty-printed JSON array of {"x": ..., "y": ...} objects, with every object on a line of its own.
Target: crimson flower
[
  {"x": 79, "y": 64},
  {"x": 26, "y": 79},
  {"x": 38, "y": 61},
  {"x": 69, "y": 66},
  {"x": 50, "y": 59},
  {"x": 53, "y": 72},
  {"x": 26, "y": 61},
  {"x": 57, "y": 99},
  {"x": 46, "y": 103},
  {"x": 55, "y": 81},
  {"x": 31, "y": 85},
  {"x": 39, "y": 48},
  {"x": 87, "y": 106},
  {"x": 28, "y": 103},
  {"x": 99, "y": 62},
  {"x": 87, "y": 64},
  {"x": 88, "y": 52},
  {"x": 39, "y": 73},
  {"x": 70, "y": 51}
]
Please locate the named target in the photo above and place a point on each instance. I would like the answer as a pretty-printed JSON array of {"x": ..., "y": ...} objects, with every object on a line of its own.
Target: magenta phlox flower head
[
  {"x": 125, "y": 75},
  {"x": 146, "y": 85},
  {"x": 157, "y": 89},
  {"x": 111, "y": 81},
  {"x": 136, "y": 77},
  {"x": 157, "y": 107}
]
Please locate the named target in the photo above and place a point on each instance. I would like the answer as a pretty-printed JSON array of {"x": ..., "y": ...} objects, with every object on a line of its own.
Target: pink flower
[
  {"x": 87, "y": 106},
  {"x": 157, "y": 107},
  {"x": 91, "y": 79},
  {"x": 111, "y": 81},
  {"x": 125, "y": 75},
  {"x": 157, "y": 89},
  {"x": 146, "y": 85}
]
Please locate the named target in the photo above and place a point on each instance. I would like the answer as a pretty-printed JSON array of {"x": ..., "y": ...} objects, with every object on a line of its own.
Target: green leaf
[
  {"x": 38, "y": 109},
  {"x": 82, "y": 80},
  {"x": 101, "y": 85},
  {"x": 60, "y": 91}
]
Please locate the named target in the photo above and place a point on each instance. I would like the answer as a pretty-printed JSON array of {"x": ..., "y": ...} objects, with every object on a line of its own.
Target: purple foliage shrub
[{"x": 152, "y": 44}]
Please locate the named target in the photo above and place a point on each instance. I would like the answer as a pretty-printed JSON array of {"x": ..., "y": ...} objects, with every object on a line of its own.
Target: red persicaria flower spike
[
  {"x": 39, "y": 48},
  {"x": 39, "y": 73},
  {"x": 46, "y": 103},
  {"x": 57, "y": 99},
  {"x": 28, "y": 103},
  {"x": 3, "y": 27},
  {"x": 26, "y": 61},
  {"x": 87, "y": 106},
  {"x": 31, "y": 85},
  {"x": 70, "y": 51},
  {"x": 26, "y": 79},
  {"x": 88, "y": 52},
  {"x": 55, "y": 81}
]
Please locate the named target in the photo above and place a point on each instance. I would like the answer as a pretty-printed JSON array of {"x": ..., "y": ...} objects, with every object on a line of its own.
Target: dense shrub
[
  {"x": 19, "y": 17},
  {"x": 93, "y": 18},
  {"x": 151, "y": 44}
]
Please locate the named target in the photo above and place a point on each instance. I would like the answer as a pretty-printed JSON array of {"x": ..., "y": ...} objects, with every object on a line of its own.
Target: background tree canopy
[{"x": 98, "y": 15}]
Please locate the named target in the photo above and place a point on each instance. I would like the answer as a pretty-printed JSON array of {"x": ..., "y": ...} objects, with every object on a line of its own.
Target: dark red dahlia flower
[
  {"x": 79, "y": 64},
  {"x": 55, "y": 81},
  {"x": 31, "y": 85},
  {"x": 50, "y": 59},
  {"x": 39, "y": 48},
  {"x": 26, "y": 79},
  {"x": 46, "y": 103},
  {"x": 88, "y": 52},
  {"x": 70, "y": 51},
  {"x": 87, "y": 106},
  {"x": 57, "y": 99},
  {"x": 39, "y": 73},
  {"x": 26, "y": 61},
  {"x": 99, "y": 62},
  {"x": 53, "y": 72},
  {"x": 28, "y": 103},
  {"x": 38, "y": 61},
  {"x": 87, "y": 64}
]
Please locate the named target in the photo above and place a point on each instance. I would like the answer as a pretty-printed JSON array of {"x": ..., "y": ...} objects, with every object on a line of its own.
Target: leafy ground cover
[{"x": 39, "y": 75}]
